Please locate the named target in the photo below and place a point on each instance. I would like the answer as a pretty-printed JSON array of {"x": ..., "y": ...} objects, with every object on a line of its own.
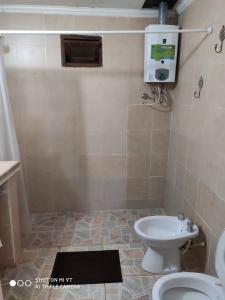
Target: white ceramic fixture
[
  {"x": 163, "y": 235},
  {"x": 194, "y": 286}
]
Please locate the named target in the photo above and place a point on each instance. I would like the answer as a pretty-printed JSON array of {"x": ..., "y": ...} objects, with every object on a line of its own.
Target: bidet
[{"x": 163, "y": 235}]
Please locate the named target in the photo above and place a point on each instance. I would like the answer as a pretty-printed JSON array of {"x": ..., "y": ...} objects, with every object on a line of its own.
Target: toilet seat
[{"x": 196, "y": 286}]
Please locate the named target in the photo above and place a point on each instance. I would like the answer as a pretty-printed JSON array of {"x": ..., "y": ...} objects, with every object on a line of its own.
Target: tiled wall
[
  {"x": 196, "y": 171},
  {"x": 86, "y": 140}
]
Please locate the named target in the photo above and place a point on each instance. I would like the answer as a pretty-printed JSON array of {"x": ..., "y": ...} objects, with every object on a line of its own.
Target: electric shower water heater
[{"x": 160, "y": 54}]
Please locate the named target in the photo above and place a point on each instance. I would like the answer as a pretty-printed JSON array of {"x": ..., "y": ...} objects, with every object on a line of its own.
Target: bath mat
[{"x": 87, "y": 267}]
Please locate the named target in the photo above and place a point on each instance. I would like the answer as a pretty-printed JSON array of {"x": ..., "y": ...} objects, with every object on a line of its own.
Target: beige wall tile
[
  {"x": 180, "y": 144},
  {"x": 158, "y": 164},
  {"x": 40, "y": 194},
  {"x": 67, "y": 193},
  {"x": 103, "y": 117},
  {"x": 137, "y": 189},
  {"x": 22, "y": 22},
  {"x": 191, "y": 188},
  {"x": 31, "y": 57},
  {"x": 138, "y": 166},
  {"x": 89, "y": 143},
  {"x": 113, "y": 142},
  {"x": 174, "y": 200},
  {"x": 138, "y": 142},
  {"x": 89, "y": 165},
  {"x": 156, "y": 187},
  {"x": 113, "y": 166},
  {"x": 150, "y": 203},
  {"x": 160, "y": 141},
  {"x": 180, "y": 177},
  {"x": 114, "y": 191},
  {"x": 161, "y": 120},
  {"x": 139, "y": 117},
  {"x": 58, "y": 22}
]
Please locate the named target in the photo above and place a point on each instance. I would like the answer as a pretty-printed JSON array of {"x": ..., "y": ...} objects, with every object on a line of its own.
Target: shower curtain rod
[{"x": 208, "y": 30}]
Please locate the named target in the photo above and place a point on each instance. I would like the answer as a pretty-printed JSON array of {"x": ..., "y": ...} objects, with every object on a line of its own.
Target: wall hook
[
  {"x": 197, "y": 94},
  {"x": 222, "y": 38}
]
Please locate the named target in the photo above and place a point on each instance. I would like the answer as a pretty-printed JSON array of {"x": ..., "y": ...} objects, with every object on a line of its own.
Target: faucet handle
[
  {"x": 181, "y": 217},
  {"x": 190, "y": 225},
  {"x": 190, "y": 221}
]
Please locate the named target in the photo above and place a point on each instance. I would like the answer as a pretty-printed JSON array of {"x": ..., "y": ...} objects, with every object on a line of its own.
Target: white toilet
[
  {"x": 194, "y": 286},
  {"x": 164, "y": 235}
]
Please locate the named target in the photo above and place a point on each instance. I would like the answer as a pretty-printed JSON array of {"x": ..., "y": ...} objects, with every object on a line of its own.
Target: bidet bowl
[
  {"x": 163, "y": 235},
  {"x": 164, "y": 231}
]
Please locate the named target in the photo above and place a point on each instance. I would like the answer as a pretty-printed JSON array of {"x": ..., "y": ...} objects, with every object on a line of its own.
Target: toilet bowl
[
  {"x": 163, "y": 235},
  {"x": 194, "y": 286}
]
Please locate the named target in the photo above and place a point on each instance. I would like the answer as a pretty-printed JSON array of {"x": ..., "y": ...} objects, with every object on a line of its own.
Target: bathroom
[{"x": 88, "y": 151}]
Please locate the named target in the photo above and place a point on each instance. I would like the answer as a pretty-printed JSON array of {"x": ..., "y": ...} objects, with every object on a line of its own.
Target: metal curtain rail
[{"x": 208, "y": 30}]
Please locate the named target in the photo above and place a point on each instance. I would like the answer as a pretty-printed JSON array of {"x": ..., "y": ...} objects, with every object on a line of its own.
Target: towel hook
[
  {"x": 222, "y": 38},
  {"x": 197, "y": 94}
]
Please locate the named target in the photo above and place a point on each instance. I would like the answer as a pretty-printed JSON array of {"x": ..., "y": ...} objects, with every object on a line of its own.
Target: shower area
[
  {"x": 86, "y": 140},
  {"x": 94, "y": 157}
]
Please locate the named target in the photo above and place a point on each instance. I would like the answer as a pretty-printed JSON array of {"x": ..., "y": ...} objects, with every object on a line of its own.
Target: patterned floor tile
[
  {"x": 117, "y": 218},
  {"x": 71, "y": 231},
  {"x": 27, "y": 293},
  {"x": 88, "y": 237},
  {"x": 122, "y": 235},
  {"x": 132, "y": 288},
  {"x": 81, "y": 248},
  {"x": 53, "y": 221},
  {"x": 130, "y": 259},
  {"x": 56, "y": 238},
  {"x": 38, "y": 239},
  {"x": 35, "y": 264},
  {"x": 91, "y": 220},
  {"x": 131, "y": 262},
  {"x": 82, "y": 292}
]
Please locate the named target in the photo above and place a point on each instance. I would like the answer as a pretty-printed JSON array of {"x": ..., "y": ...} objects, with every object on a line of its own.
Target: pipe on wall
[{"x": 163, "y": 12}]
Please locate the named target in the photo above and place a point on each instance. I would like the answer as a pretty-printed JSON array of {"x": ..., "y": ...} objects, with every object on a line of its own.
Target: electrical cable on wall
[{"x": 160, "y": 98}]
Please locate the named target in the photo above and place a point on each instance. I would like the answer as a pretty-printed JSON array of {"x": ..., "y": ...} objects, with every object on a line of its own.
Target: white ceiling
[{"x": 132, "y": 4}]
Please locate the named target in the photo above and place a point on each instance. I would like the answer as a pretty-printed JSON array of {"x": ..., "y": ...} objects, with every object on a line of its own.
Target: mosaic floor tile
[
  {"x": 34, "y": 264},
  {"x": 131, "y": 262},
  {"x": 132, "y": 288},
  {"x": 71, "y": 231},
  {"x": 81, "y": 248},
  {"x": 122, "y": 235},
  {"x": 39, "y": 239},
  {"x": 27, "y": 293},
  {"x": 130, "y": 259},
  {"x": 91, "y": 220},
  {"x": 82, "y": 292},
  {"x": 88, "y": 237},
  {"x": 56, "y": 238}
]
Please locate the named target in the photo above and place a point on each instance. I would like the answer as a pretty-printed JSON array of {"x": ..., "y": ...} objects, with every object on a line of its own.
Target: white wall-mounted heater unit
[{"x": 160, "y": 54}]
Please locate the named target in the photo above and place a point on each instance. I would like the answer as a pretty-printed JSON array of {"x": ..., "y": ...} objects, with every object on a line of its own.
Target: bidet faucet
[
  {"x": 190, "y": 225},
  {"x": 181, "y": 217}
]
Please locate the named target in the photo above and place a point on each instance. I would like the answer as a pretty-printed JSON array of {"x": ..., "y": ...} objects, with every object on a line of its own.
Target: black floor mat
[{"x": 87, "y": 267}]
